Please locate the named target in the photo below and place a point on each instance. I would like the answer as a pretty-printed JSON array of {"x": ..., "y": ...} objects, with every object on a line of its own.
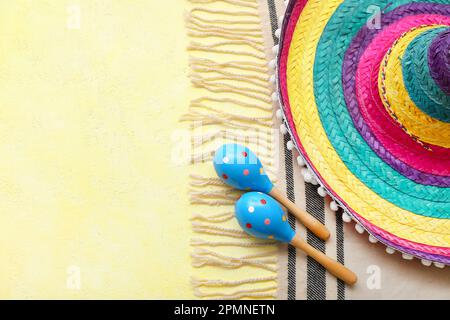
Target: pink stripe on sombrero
[
  {"x": 385, "y": 129},
  {"x": 282, "y": 68}
]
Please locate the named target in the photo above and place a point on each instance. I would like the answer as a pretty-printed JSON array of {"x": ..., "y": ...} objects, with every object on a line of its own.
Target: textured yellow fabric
[
  {"x": 315, "y": 141},
  {"x": 87, "y": 189},
  {"x": 416, "y": 122}
]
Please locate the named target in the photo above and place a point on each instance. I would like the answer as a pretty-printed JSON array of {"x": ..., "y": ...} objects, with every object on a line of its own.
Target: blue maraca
[
  {"x": 261, "y": 216},
  {"x": 240, "y": 168}
]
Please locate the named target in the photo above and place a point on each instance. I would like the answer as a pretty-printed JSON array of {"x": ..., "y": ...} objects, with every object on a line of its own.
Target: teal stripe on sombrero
[
  {"x": 422, "y": 88},
  {"x": 360, "y": 159}
]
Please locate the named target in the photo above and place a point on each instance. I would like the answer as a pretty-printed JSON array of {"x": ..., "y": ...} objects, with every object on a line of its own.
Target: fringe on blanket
[{"x": 228, "y": 65}]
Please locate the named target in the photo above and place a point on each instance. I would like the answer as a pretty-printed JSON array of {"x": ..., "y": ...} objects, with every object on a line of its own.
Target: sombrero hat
[{"x": 365, "y": 92}]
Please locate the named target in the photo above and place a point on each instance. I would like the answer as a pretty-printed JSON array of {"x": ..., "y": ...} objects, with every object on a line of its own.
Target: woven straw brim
[{"x": 386, "y": 179}]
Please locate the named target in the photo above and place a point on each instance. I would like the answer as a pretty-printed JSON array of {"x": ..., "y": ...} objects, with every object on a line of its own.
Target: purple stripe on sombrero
[
  {"x": 439, "y": 60},
  {"x": 352, "y": 56},
  {"x": 420, "y": 254}
]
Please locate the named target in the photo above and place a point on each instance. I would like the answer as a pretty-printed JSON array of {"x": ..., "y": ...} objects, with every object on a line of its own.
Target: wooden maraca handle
[
  {"x": 305, "y": 218},
  {"x": 334, "y": 267}
]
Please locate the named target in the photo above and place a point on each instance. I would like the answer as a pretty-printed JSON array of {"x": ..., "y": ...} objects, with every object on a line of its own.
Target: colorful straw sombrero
[{"x": 365, "y": 92}]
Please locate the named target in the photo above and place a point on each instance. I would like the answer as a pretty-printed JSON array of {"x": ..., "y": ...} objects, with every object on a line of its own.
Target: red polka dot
[
  {"x": 263, "y": 201},
  {"x": 246, "y": 172},
  {"x": 248, "y": 225},
  {"x": 267, "y": 221},
  {"x": 245, "y": 154},
  {"x": 225, "y": 176}
]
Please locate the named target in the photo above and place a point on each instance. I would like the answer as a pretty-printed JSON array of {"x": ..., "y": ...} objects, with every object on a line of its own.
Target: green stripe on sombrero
[
  {"x": 425, "y": 200},
  {"x": 421, "y": 87}
]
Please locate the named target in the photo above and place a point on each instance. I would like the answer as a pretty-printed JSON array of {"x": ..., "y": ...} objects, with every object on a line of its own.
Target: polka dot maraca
[
  {"x": 240, "y": 168},
  {"x": 261, "y": 216}
]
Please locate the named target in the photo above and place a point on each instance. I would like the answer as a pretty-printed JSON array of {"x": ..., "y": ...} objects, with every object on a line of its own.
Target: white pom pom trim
[
  {"x": 300, "y": 161},
  {"x": 290, "y": 145},
  {"x": 390, "y": 250},
  {"x": 334, "y": 206},
  {"x": 278, "y": 33},
  {"x": 426, "y": 263},
  {"x": 283, "y": 129},
  {"x": 322, "y": 192},
  {"x": 372, "y": 239},
  {"x": 439, "y": 265},
  {"x": 307, "y": 176},
  {"x": 407, "y": 256},
  {"x": 279, "y": 114},
  {"x": 359, "y": 228},
  {"x": 346, "y": 217}
]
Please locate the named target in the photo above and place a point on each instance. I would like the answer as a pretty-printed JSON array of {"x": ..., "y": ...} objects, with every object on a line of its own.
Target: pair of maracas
[{"x": 258, "y": 211}]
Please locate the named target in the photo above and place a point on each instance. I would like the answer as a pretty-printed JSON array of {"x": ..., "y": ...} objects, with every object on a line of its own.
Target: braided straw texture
[
  {"x": 419, "y": 49},
  {"x": 358, "y": 157},
  {"x": 380, "y": 131},
  {"x": 351, "y": 147},
  {"x": 439, "y": 61},
  {"x": 357, "y": 195},
  {"x": 354, "y": 52},
  {"x": 396, "y": 98},
  {"x": 421, "y": 86}
]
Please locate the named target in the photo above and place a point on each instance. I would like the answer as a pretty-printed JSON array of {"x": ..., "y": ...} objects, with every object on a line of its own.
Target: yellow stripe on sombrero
[
  {"x": 404, "y": 224},
  {"x": 416, "y": 122}
]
